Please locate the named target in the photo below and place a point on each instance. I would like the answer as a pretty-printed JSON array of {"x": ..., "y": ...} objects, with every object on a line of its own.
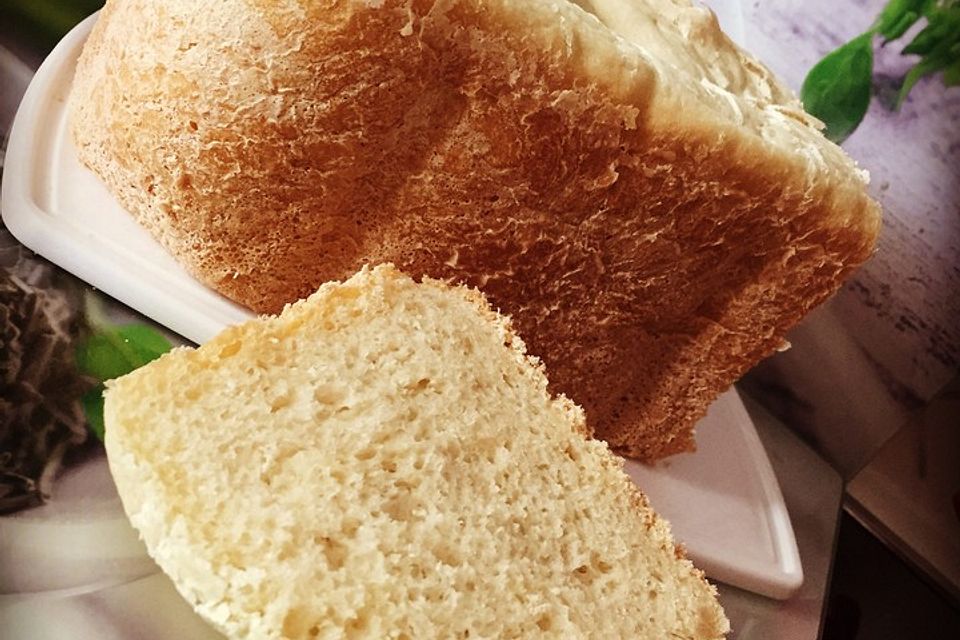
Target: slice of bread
[
  {"x": 382, "y": 460},
  {"x": 647, "y": 202}
]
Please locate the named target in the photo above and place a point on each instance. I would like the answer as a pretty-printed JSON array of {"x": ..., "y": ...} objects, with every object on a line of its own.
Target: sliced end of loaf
[{"x": 383, "y": 460}]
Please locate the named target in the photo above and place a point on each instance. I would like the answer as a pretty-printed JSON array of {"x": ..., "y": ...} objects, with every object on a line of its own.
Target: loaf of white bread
[
  {"x": 648, "y": 203},
  {"x": 383, "y": 460}
]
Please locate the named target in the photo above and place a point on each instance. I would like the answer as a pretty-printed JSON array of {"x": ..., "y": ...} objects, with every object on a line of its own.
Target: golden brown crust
[{"x": 649, "y": 245}]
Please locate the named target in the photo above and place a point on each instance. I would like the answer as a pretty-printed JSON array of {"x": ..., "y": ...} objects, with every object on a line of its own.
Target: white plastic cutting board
[{"x": 723, "y": 501}]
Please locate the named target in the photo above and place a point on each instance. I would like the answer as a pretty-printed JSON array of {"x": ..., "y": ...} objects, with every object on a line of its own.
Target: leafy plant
[
  {"x": 837, "y": 89},
  {"x": 110, "y": 351},
  {"x": 41, "y": 23}
]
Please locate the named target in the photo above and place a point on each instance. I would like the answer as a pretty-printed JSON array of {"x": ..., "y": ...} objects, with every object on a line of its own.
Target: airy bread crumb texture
[{"x": 383, "y": 460}]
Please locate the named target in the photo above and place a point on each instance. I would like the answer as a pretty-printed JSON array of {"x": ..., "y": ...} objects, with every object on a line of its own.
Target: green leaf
[
  {"x": 116, "y": 351},
  {"x": 837, "y": 89},
  {"x": 896, "y": 18},
  {"x": 899, "y": 15},
  {"x": 146, "y": 342},
  {"x": 46, "y": 20},
  {"x": 925, "y": 67},
  {"x": 951, "y": 75},
  {"x": 92, "y": 402},
  {"x": 941, "y": 32},
  {"x": 897, "y": 29},
  {"x": 110, "y": 352},
  {"x": 938, "y": 44},
  {"x": 100, "y": 357}
]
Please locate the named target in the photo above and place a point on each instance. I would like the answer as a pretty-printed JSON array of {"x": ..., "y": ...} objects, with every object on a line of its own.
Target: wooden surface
[
  {"x": 884, "y": 346},
  {"x": 860, "y": 380},
  {"x": 909, "y": 493}
]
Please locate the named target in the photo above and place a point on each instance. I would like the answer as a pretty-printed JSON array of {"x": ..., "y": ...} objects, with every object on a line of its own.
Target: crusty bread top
[
  {"x": 208, "y": 108},
  {"x": 703, "y": 77},
  {"x": 384, "y": 461}
]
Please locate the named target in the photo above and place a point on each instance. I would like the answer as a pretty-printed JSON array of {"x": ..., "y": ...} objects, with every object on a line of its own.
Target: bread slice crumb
[{"x": 383, "y": 460}]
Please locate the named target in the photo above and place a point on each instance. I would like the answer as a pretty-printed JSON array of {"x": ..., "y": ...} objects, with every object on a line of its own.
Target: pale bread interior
[{"x": 384, "y": 461}]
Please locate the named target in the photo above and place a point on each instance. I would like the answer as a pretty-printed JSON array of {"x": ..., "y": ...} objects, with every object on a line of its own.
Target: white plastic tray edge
[
  {"x": 31, "y": 225},
  {"x": 785, "y": 544}
]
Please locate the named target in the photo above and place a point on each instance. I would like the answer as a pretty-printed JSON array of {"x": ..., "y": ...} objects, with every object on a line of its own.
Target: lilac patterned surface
[{"x": 891, "y": 338}]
